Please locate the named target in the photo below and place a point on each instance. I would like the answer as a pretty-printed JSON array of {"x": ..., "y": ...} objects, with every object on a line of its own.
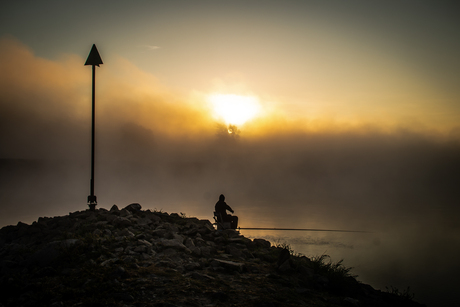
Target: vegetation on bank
[{"x": 338, "y": 274}]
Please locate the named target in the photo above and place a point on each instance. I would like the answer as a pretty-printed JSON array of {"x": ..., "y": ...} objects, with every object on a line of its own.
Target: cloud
[
  {"x": 152, "y": 47},
  {"x": 42, "y": 100}
]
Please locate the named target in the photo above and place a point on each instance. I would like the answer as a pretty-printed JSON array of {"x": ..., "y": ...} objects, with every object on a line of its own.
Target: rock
[
  {"x": 231, "y": 265},
  {"x": 174, "y": 244},
  {"x": 125, "y": 213},
  {"x": 170, "y": 227},
  {"x": 261, "y": 243},
  {"x": 228, "y": 233},
  {"x": 129, "y": 259},
  {"x": 178, "y": 238},
  {"x": 218, "y": 295},
  {"x": 122, "y": 222},
  {"x": 101, "y": 223},
  {"x": 348, "y": 301},
  {"x": 307, "y": 272},
  {"x": 284, "y": 267},
  {"x": 321, "y": 280},
  {"x": 118, "y": 250},
  {"x": 191, "y": 231},
  {"x": 50, "y": 252},
  {"x": 133, "y": 208},
  {"x": 111, "y": 217},
  {"x": 144, "y": 242},
  {"x": 92, "y": 218},
  {"x": 123, "y": 297},
  {"x": 206, "y": 251},
  {"x": 119, "y": 272},
  {"x": 195, "y": 250},
  {"x": 126, "y": 233},
  {"x": 192, "y": 266},
  {"x": 159, "y": 232},
  {"x": 114, "y": 208},
  {"x": 189, "y": 243},
  {"x": 199, "y": 276},
  {"x": 108, "y": 262},
  {"x": 234, "y": 251},
  {"x": 283, "y": 260},
  {"x": 146, "y": 256},
  {"x": 154, "y": 218},
  {"x": 144, "y": 221},
  {"x": 200, "y": 242},
  {"x": 140, "y": 249}
]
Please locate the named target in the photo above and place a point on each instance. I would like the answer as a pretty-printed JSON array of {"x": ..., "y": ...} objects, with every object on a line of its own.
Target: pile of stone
[{"x": 132, "y": 257}]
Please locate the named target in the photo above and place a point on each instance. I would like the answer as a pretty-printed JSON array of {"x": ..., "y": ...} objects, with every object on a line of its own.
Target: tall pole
[
  {"x": 94, "y": 59},
  {"x": 93, "y": 134}
]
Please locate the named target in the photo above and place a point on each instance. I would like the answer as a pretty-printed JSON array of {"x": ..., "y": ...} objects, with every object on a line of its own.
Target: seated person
[{"x": 222, "y": 207}]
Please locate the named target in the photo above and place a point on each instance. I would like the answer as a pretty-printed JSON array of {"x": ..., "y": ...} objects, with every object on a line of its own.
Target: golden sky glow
[
  {"x": 348, "y": 64},
  {"x": 234, "y": 109}
]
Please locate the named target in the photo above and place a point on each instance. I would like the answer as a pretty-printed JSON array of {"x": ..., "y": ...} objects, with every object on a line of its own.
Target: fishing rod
[{"x": 303, "y": 229}]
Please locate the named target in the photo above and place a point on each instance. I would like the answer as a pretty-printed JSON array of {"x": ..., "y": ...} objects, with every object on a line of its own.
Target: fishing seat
[{"x": 219, "y": 222}]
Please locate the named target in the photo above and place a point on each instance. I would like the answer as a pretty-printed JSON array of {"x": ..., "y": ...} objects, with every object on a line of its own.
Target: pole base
[{"x": 92, "y": 202}]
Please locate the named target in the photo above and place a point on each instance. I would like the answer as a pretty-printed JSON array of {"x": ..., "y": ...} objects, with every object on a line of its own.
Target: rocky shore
[{"x": 135, "y": 257}]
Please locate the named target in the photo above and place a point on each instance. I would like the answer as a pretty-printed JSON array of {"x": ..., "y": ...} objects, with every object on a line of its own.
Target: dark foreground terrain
[{"x": 132, "y": 257}]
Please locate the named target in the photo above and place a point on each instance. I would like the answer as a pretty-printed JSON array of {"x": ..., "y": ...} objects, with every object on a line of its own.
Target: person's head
[{"x": 221, "y": 197}]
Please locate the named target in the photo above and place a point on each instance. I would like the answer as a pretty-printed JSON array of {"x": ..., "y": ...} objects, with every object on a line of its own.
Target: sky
[
  {"x": 344, "y": 115},
  {"x": 386, "y": 62}
]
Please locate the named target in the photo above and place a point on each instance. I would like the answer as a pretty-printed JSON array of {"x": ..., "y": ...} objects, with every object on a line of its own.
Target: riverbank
[{"x": 132, "y": 257}]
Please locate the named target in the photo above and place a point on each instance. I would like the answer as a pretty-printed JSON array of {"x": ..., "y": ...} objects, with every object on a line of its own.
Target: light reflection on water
[
  {"x": 357, "y": 250},
  {"x": 315, "y": 243},
  {"x": 381, "y": 259}
]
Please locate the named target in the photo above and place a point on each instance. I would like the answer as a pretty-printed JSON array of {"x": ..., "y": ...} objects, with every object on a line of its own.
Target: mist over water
[{"x": 400, "y": 187}]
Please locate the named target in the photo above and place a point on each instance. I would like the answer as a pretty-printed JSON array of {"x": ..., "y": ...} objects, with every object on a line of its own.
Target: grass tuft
[
  {"x": 325, "y": 266},
  {"x": 405, "y": 294}
]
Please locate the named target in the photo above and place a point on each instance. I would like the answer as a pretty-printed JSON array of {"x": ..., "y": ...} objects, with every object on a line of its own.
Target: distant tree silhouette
[
  {"x": 230, "y": 132},
  {"x": 233, "y": 130}
]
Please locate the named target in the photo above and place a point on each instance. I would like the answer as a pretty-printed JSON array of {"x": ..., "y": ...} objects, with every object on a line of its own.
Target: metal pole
[
  {"x": 94, "y": 59},
  {"x": 92, "y": 200},
  {"x": 93, "y": 130}
]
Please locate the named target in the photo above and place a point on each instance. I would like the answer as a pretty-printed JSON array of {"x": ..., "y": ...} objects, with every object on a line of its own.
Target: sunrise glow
[{"x": 234, "y": 109}]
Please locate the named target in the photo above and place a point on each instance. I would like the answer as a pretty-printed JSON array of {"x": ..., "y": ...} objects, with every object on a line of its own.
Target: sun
[{"x": 234, "y": 109}]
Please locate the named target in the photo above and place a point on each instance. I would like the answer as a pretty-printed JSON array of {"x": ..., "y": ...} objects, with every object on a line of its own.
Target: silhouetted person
[{"x": 222, "y": 207}]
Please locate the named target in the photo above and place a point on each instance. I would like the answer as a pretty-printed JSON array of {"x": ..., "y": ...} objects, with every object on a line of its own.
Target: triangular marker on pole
[{"x": 94, "y": 58}]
